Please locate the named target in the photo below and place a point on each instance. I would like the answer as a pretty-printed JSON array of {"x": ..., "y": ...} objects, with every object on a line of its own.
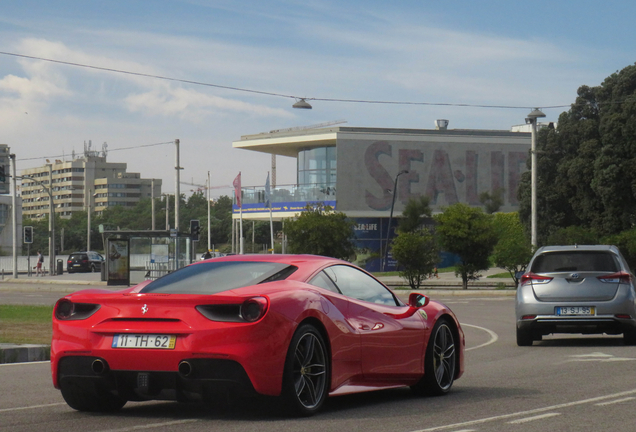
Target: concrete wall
[{"x": 448, "y": 166}]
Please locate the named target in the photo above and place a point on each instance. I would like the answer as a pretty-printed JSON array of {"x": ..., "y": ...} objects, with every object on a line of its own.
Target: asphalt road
[{"x": 561, "y": 384}]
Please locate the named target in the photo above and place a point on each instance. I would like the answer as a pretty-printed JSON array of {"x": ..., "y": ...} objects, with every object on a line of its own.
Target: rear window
[
  {"x": 215, "y": 277},
  {"x": 575, "y": 261},
  {"x": 78, "y": 257}
]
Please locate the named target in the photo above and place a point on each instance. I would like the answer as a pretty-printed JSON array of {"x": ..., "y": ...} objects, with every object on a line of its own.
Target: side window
[
  {"x": 321, "y": 280},
  {"x": 356, "y": 284}
]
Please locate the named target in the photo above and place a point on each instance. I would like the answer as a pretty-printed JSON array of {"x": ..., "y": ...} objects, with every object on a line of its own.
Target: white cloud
[{"x": 193, "y": 105}]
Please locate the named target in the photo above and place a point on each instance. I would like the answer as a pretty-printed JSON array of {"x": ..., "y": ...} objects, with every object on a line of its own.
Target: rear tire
[
  {"x": 306, "y": 378},
  {"x": 93, "y": 400},
  {"x": 629, "y": 337},
  {"x": 524, "y": 337},
  {"x": 439, "y": 362}
]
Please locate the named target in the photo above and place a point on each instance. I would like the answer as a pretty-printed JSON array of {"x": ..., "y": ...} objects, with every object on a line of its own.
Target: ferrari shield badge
[{"x": 424, "y": 314}]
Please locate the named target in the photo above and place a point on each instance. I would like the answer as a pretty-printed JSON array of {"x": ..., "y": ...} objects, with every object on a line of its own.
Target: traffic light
[
  {"x": 3, "y": 176},
  {"x": 28, "y": 234},
  {"x": 195, "y": 230}
]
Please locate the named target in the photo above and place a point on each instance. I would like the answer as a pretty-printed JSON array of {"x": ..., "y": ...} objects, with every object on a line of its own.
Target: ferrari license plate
[
  {"x": 575, "y": 310},
  {"x": 149, "y": 341}
]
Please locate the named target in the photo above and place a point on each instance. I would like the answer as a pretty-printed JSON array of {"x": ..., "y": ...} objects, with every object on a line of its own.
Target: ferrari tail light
[
  {"x": 620, "y": 277},
  {"x": 534, "y": 278},
  {"x": 251, "y": 310},
  {"x": 67, "y": 310},
  {"x": 254, "y": 309}
]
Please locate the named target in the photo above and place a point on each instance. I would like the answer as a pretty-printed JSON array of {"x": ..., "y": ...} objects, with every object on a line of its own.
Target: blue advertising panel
[{"x": 367, "y": 228}]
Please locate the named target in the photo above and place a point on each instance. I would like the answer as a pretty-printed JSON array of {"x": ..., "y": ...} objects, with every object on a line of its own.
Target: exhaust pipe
[
  {"x": 99, "y": 366},
  {"x": 185, "y": 368}
]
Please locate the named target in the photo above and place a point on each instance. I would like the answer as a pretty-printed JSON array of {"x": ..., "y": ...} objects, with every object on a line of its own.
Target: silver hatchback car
[{"x": 576, "y": 289}]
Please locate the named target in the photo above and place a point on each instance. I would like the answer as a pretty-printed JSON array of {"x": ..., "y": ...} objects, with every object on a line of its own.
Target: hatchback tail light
[
  {"x": 534, "y": 278},
  {"x": 620, "y": 277}
]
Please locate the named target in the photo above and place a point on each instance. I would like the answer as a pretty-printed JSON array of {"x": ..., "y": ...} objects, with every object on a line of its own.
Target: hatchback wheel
[
  {"x": 629, "y": 337},
  {"x": 524, "y": 337}
]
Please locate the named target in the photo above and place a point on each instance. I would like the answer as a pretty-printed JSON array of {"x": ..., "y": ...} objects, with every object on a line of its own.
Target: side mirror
[{"x": 418, "y": 300}]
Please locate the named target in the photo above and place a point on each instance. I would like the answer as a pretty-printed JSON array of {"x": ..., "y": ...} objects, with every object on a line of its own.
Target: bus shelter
[{"x": 135, "y": 256}]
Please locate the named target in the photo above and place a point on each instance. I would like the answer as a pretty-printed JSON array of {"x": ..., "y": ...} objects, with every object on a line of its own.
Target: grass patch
[
  {"x": 395, "y": 273},
  {"x": 503, "y": 275},
  {"x": 22, "y": 324}
]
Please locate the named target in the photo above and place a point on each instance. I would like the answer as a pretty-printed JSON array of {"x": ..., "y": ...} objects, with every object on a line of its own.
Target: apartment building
[{"x": 86, "y": 181}]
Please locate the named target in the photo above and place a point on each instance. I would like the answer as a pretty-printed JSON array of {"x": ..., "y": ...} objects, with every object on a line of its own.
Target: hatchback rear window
[
  {"x": 569, "y": 261},
  {"x": 78, "y": 257}
]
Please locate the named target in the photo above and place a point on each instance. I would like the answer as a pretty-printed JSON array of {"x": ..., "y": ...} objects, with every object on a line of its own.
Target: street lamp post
[
  {"x": 532, "y": 121},
  {"x": 51, "y": 216},
  {"x": 385, "y": 255}
]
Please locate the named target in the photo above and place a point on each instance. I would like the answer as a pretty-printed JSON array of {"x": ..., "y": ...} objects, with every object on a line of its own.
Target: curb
[{"x": 13, "y": 353}]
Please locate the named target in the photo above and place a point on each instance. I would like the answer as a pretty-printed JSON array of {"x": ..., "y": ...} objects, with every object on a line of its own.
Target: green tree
[
  {"x": 417, "y": 254},
  {"x": 492, "y": 202},
  {"x": 573, "y": 235},
  {"x": 319, "y": 231},
  {"x": 585, "y": 167},
  {"x": 415, "y": 214},
  {"x": 626, "y": 243},
  {"x": 513, "y": 250},
  {"x": 467, "y": 232}
]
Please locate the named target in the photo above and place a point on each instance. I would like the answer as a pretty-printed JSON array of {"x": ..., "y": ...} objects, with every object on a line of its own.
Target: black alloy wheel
[
  {"x": 439, "y": 363},
  {"x": 306, "y": 376}
]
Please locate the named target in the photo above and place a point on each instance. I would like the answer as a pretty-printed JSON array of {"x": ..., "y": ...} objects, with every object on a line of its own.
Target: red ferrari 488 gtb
[{"x": 300, "y": 327}]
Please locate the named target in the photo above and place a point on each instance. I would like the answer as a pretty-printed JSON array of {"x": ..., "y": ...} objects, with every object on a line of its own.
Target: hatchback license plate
[
  {"x": 575, "y": 310},
  {"x": 149, "y": 341}
]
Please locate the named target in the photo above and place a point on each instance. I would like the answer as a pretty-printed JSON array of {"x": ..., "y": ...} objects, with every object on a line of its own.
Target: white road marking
[
  {"x": 493, "y": 336},
  {"x": 31, "y": 407},
  {"x": 529, "y": 419},
  {"x": 25, "y": 363},
  {"x": 529, "y": 412},
  {"x": 152, "y": 425},
  {"x": 616, "y": 401},
  {"x": 597, "y": 357}
]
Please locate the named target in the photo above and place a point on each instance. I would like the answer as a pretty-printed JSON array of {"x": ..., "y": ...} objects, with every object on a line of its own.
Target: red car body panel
[{"x": 370, "y": 345}]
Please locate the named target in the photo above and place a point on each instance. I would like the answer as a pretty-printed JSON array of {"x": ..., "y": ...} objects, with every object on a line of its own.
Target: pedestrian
[
  {"x": 38, "y": 266},
  {"x": 435, "y": 274}
]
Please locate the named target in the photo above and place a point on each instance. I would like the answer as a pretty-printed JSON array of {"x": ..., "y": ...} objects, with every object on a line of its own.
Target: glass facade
[{"x": 317, "y": 167}]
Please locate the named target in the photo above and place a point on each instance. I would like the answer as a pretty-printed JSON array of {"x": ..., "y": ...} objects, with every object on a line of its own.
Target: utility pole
[
  {"x": 51, "y": 223},
  {"x": 177, "y": 198},
  {"x": 88, "y": 233},
  {"x": 15, "y": 216},
  {"x": 152, "y": 201},
  {"x": 208, "y": 197}
]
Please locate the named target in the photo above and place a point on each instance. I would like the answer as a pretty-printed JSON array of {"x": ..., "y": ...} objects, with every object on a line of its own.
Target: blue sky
[{"x": 519, "y": 54}]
